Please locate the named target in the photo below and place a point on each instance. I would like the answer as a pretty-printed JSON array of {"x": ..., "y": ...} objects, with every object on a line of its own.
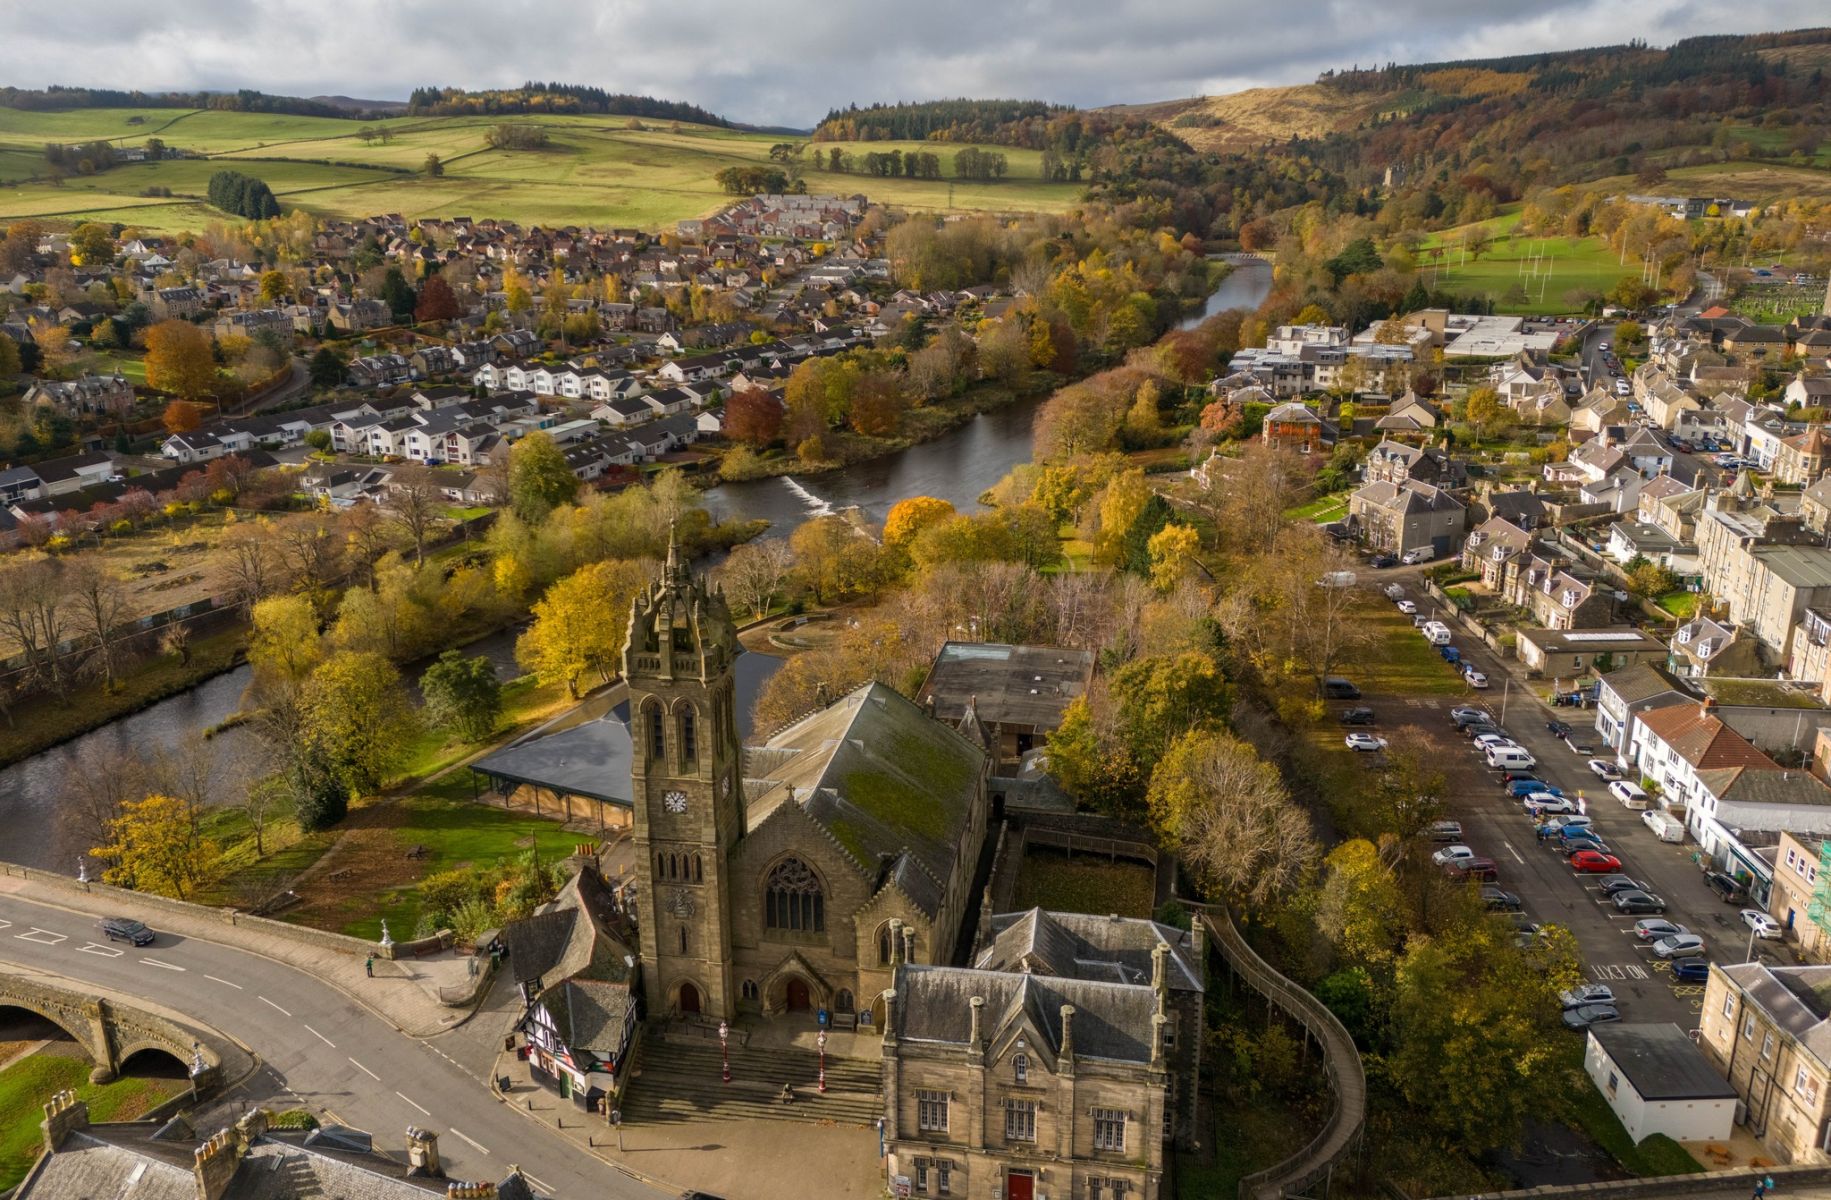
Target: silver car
[{"x": 1683, "y": 945}]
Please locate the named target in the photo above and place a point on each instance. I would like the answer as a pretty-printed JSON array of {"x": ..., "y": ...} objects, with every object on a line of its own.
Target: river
[{"x": 955, "y": 467}]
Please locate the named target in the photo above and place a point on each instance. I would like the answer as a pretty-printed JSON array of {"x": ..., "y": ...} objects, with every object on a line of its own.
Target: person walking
[{"x": 369, "y": 966}]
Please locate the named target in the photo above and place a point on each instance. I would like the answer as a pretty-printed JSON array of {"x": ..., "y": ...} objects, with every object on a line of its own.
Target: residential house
[
  {"x": 1574, "y": 653},
  {"x": 1796, "y": 899},
  {"x": 1297, "y": 427},
  {"x": 1498, "y": 549},
  {"x": 1701, "y": 647},
  {"x": 110, "y": 394},
  {"x": 1623, "y": 696},
  {"x": 1409, "y": 415},
  {"x": 1809, "y": 653},
  {"x": 177, "y": 303},
  {"x": 74, "y": 473},
  {"x": 1401, "y": 517},
  {"x": 1763, "y": 1027},
  {"x": 1395, "y": 463},
  {"x": 1801, "y": 459}
]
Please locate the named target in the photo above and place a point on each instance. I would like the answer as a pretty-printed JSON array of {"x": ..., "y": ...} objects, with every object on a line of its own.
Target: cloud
[{"x": 788, "y": 63}]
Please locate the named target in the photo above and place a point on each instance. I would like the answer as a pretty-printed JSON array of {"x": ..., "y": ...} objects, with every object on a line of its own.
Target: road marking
[
  {"x": 43, "y": 933},
  {"x": 1512, "y": 851},
  {"x": 456, "y": 1132},
  {"x": 415, "y": 1104},
  {"x": 271, "y": 1004},
  {"x": 6, "y": 924},
  {"x": 224, "y": 982},
  {"x": 545, "y": 1187},
  {"x": 104, "y": 951},
  {"x": 153, "y": 962},
  {"x": 1618, "y": 971},
  {"x": 320, "y": 1037},
  {"x": 365, "y": 1071}
]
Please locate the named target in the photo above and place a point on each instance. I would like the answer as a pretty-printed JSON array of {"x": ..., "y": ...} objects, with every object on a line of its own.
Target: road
[
  {"x": 1496, "y": 826},
  {"x": 321, "y": 1049}
]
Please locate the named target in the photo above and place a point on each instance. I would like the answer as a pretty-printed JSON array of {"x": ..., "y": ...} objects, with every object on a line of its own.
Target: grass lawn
[
  {"x": 44, "y": 723},
  {"x": 596, "y": 170},
  {"x": 1680, "y": 604},
  {"x": 1399, "y": 661},
  {"x": 1585, "y": 263},
  {"x": 1087, "y": 884},
  {"x": 27, "y": 1084},
  {"x": 1323, "y": 509}
]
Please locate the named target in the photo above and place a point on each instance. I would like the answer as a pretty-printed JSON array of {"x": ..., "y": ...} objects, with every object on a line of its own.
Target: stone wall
[{"x": 110, "y": 1030}]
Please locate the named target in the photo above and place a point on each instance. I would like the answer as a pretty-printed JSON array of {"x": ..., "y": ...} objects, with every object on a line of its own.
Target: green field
[
  {"x": 1566, "y": 263},
  {"x": 28, "y": 1083},
  {"x": 597, "y": 170}
]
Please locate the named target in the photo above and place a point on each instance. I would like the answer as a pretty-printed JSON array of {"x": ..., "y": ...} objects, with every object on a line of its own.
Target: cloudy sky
[{"x": 788, "y": 62}]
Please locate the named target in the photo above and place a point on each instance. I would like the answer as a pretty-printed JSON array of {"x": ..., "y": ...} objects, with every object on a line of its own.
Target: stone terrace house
[
  {"x": 1413, "y": 515},
  {"x": 1395, "y": 462},
  {"x": 1765, "y": 1029},
  {"x": 1023, "y": 1085}
]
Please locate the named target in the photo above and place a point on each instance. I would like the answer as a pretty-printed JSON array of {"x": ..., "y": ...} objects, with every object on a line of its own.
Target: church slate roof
[
  {"x": 1111, "y": 1020},
  {"x": 891, "y": 785},
  {"x": 535, "y": 943}
]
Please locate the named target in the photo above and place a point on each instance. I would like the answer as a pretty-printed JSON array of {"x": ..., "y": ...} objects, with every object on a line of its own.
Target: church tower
[{"x": 686, "y": 787}]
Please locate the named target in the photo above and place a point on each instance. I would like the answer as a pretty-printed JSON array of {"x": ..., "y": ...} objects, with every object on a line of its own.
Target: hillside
[
  {"x": 606, "y": 171},
  {"x": 1243, "y": 121}
]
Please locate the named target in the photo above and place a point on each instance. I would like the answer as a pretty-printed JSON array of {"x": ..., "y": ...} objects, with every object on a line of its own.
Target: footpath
[{"x": 405, "y": 992}]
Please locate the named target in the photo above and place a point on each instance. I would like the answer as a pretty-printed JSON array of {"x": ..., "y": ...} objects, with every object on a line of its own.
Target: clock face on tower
[{"x": 676, "y": 802}]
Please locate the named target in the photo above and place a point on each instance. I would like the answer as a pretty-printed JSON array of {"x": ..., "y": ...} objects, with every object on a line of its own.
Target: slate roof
[
  {"x": 1023, "y": 686},
  {"x": 892, "y": 786},
  {"x": 1797, "y": 999},
  {"x": 592, "y": 759},
  {"x": 1093, "y": 948},
  {"x": 1764, "y": 783},
  {"x": 589, "y": 1014},
  {"x": 1111, "y": 1020},
  {"x": 535, "y": 943},
  {"x": 1642, "y": 682}
]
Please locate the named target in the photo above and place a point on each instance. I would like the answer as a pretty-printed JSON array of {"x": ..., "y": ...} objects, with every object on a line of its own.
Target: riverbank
[{"x": 38, "y": 725}]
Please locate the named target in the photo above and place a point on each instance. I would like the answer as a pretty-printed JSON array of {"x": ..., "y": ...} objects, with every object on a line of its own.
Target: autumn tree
[
  {"x": 355, "y": 719},
  {"x": 100, "y": 608},
  {"x": 437, "y": 302},
  {"x": 463, "y": 694},
  {"x": 284, "y": 646},
  {"x": 909, "y": 517},
  {"x": 539, "y": 478},
  {"x": 1172, "y": 550},
  {"x": 580, "y": 625},
  {"x": 1484, "y": 409},
  {"x": 753, "y": 417},
  {"x": 835, "y": 561},
  {"x": 416, "y": 504},
  {"x": 755, "y": 573},
  {"x": 157, "y": 847},
  {"x": 181, "y": 416},
  {"x": 179, "y": 360},
  {"x": 1228, "y": 813}
]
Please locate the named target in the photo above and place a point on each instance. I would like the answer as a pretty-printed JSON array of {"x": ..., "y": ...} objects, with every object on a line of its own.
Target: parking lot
[{"x": 1496, "y": 826}]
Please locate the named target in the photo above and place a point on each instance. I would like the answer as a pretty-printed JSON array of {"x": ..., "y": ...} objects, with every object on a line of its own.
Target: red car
[{"x": 1594, "y": 862}]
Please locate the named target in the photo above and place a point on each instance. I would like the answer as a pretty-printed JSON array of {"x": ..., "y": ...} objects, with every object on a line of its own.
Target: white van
[
  {"x": 1630, "y": 795},
  {"x": 1665, "y": 827},
  {"x": 1436, "y": 633},
  {"x": 1511, "y": 758}
]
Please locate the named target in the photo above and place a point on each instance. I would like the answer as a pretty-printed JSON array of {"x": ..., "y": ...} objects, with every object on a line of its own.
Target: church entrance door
[
  {"x": 689, "y": 998},
  {"x": 797, "y": 996},
  {"x": 1019, "y": 1185}
]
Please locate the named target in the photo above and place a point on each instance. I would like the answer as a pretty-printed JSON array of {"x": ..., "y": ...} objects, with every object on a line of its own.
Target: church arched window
[
  {"x": 750, "y": 990},
  {"x": 683, "y": 939},
  {"x": 661, "y": 865},
  {"x": 883, "y": 946},
  {"x": 657, "y": 735},
  {"x": 842, "y": 1001},
  {"x": 689, "y": 738},
  {"x": 793, "y": 899},
  {"x": 698, "y": 876},
  {"x": 1020, "y": 1068}
]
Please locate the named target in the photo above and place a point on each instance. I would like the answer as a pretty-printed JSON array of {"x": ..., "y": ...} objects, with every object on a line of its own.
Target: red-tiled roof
[{"x": 1702, "y": 740}]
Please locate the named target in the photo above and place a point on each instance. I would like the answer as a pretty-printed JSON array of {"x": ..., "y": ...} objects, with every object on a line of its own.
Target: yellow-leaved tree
[
  {"x": 909, "y": 517},
  {"x": 581, "y": 623},
  {"x": 157, "y": 847}
]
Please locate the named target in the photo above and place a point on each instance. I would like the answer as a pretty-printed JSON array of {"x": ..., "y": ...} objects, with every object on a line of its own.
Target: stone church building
[{"x": 769, "y": 878}]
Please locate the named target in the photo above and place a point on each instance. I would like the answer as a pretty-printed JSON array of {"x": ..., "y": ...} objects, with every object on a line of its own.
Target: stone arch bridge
[{"x": 111, "y": 1031}]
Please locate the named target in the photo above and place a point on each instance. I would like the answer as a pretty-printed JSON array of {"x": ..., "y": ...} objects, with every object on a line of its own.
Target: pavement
[
  {"x": 1496, "y": 826},
  {"x": 320, "y": 1046}
]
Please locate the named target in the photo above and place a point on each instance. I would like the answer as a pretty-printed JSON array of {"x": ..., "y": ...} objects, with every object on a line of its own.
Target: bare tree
[
  {"x": 310, "y": 550},
  {"x": 416, "y": 504},
  {"x": 1228, "y": 812},
  {"x": 1081, "y": 603},
  {"x": 176, "y": 639},
  {"x": 99, "y": 782},
  {"x": 755, "y": 573},
  {"x": 252, "y": 561},
  {"x": 99, "y": 611},
  {"x": 261, "y": 801},
  {"x": 366, "y": 529},
  {"x": 186, "y": 770},
  {"x": 33, "y": 611}
]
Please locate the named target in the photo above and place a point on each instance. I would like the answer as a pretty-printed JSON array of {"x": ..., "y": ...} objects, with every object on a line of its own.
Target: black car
[
  {"x": 1357, "y": 716},
  {"x": 1383, "y": 560},
  {"x": 1497, "y": 900},
  {"x": 1612, "y": 884},
  {"x": 1558, "y": 728},
  {"x": 125, "y": 929},
  {"x": 1728, "y": 888}
]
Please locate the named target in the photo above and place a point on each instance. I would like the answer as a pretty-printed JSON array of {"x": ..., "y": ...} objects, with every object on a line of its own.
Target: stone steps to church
[{"x": 678, "y": 1082}]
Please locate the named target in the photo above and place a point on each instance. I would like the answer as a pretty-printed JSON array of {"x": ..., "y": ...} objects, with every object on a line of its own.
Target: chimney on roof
[
  {"x": 214, "y": 1164},
  {"x": 1067, "y": 1055},
  {"x": 909, "y": 944},
  {"x": 470, "y": 1190},
  {"x": 890, "y": 1016},
  {"x": 975, "y": 1029},
  {"x": 423, "y": 1153},
  {"x": 1160, "y": 974},
  {"x": 64, "y": 1113}
]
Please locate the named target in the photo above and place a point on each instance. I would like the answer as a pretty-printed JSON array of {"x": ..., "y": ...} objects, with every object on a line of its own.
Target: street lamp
[
  {"x": 820, "y": 1040},
  {"x": 724, "y": 1048}
]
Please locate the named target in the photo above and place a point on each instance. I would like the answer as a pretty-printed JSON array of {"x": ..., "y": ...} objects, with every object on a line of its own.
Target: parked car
[
  {"x": 1683, "y": 945},
  {"x": 1487, "y": 741},
  {"x": 1474, "y": 678},
  {"x": 1382, "y": 561},
  {"x": 1450, "y": 854},
  {"x": 1594, "y": 862},
  {"x": 1639, "y": 902},
  {"x": 1525, "y": 785},
  {"x": 125, "y": 929},
  {"x": 1628, "y": 793},
  {"x": 1580, "y": 1019},
  {"x": 1691, "y": 970},
  {"x": 1418, "y": 554},
  {"x": 1652, "y": 929},
  {"x": 1622, "y": 883},
  {"x": 1365, "y": 741},
  {"x": 1603, "y": 769},
  {"x": 1764, "y": 926},
  {"x": 1570, "y": 821},
  {"x": 1445, "y": 831},
  {"x": 1497, "y": 900},
  {"x": 1484, "y": 869},
  {"x": 1468, "y": 714},
  {"x": 1337, "y": 688},
  {"x": 1587, "y": 993},
  {"x": 1477, "y": 728},
  {"x": 1357, "y": 716},
  {"x": 1728, "y": 888},
  {"x": 1581, "y": 841},
  {"x": 1407, "y": 607},
  {"x": 1542, "y": 804},
  {"x": 1558, "y": 728},
  {"x": 1521, "y": 922}
]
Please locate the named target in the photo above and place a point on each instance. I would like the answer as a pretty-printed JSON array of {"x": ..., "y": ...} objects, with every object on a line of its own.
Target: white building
[{"x": 1657, "y": 1081}]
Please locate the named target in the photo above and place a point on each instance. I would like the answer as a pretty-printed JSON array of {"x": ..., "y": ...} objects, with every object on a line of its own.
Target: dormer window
[
  {"x": 1684, "y": 635},
  {"x": 1569, "y": 599},
  {"x": 1020, "y": 1068}
]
